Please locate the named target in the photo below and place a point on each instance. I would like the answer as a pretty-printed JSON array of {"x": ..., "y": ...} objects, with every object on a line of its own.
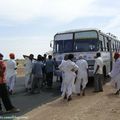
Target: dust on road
[{"x": 94, "y": 106}]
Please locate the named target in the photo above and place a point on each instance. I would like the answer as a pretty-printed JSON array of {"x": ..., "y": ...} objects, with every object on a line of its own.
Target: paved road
[{"x": 27, "y": 102}]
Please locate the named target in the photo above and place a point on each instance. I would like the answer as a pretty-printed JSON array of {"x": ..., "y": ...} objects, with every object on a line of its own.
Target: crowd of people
[
  {"x": 7, "y": 86},
  {"x": 39, "y": 72}
]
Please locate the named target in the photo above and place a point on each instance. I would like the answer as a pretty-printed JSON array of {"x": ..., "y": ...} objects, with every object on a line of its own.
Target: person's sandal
[{"x": 13, "y": 110}]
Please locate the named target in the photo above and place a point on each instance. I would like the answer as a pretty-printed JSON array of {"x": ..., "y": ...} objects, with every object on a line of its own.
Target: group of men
[
  {"x": 38, "y": 72},
  {"x": 76, "y": 75},
  {"x": 8, "y": 85},
  {"x": 73, "y": 74}
]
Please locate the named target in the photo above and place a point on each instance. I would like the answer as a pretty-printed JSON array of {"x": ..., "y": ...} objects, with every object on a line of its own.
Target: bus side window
[
  {"x": 117, "y": 46},
  {"x": 108, "y": 46},
  {"x": 114, "y": 46},
  {"x": 106, "y": 43},
  {"x": 101, "y": 46},
  {"x": 102, "y": 42}
]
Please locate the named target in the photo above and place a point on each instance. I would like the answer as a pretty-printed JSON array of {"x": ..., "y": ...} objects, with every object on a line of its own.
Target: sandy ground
[
  {"x": 20, "y": 72},
  {"x": 94, "y": 106}
]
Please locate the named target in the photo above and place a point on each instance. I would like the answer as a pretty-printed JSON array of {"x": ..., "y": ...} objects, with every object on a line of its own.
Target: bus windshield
[
  {"x": 83, "y": 41},
  {"x": 82, "y": 45},
  {"x": 86, "y": 45},
  {"x": 63, "y": 46}
]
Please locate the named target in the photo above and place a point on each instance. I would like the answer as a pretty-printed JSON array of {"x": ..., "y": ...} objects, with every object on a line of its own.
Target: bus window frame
[
  {"x": 106, "y": 43},
  {"x": 102, "y": 42}
]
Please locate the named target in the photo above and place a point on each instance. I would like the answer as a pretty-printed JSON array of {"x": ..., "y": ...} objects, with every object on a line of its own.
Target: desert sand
[{"x": 94, "y": 106}]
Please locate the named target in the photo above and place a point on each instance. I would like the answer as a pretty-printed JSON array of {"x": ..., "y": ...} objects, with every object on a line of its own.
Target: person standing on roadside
[
  {"x": 98, "y": 73},
  {"x": 69, "y": 68},
  {"x": 115, "y": 73},
  {"x": 62, "y": 82},
  {"x": 49, "y": 68},
  {"x": 4, "y": 95},
  {"x": 28, "y": 71},
  {"x": 82, "y": 76},
  {"x": 37, "y": 73},
  {"x": 11, "y": 73},
  {"x": 44, "y": 82}
]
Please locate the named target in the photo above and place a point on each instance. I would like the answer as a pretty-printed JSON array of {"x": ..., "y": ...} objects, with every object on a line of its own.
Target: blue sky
[{"x": 28, "y": 26}]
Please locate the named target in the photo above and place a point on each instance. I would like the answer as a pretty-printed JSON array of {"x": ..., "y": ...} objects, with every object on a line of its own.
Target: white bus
[{"x": 86, "y": 42}]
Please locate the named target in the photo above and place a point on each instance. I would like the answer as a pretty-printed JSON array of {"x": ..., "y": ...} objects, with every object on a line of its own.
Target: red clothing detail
[{"x": 2, "y": 72}]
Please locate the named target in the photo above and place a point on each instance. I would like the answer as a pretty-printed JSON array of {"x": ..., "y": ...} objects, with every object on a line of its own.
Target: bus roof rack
[{"x": 110, "y": 34}]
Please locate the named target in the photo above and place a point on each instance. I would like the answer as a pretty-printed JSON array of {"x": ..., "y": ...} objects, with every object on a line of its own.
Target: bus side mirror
[{"x": 51, "y": 44}]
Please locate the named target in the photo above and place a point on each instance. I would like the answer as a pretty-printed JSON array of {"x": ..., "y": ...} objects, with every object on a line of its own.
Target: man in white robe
[
  {"x": 63, "y": 62},
  {"x": 69, "y": 69},
  {"x": 11, "y": 73},
  {"x": 28, "y": 71},
  {"x": 115, "y": 73},
  {"x": 82, "y": 76}
]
